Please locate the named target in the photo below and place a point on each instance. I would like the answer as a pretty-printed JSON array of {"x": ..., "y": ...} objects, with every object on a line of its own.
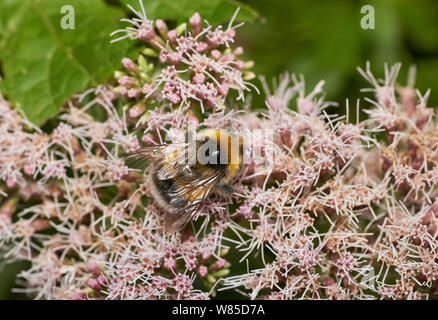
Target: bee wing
[
  {"x": 196, "y": 191},
  {"x": 141, "y": 158}
]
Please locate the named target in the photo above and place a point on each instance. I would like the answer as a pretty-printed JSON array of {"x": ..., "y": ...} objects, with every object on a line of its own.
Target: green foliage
[
  {"x": 44, "y": 64},
  {"x": 214, "y": 11},
  {"x": 324, "y": 40}
]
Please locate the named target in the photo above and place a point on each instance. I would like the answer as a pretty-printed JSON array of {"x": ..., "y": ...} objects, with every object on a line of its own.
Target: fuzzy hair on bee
[{"x": 181, "y": 176}]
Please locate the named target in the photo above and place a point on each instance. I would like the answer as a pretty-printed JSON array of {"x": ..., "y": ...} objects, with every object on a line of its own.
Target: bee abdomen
[{"x": 163, "y": 195}]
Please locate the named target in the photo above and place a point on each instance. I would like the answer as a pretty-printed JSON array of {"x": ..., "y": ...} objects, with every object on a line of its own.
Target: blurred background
[{"x": 323, "y": 40}]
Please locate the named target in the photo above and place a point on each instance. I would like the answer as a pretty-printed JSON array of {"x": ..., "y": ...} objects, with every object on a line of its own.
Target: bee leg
[{"x": 225, "y": 189}]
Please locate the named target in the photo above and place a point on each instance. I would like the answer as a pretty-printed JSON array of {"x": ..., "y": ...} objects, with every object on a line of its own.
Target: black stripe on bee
[{"x": 164, "y": 188}]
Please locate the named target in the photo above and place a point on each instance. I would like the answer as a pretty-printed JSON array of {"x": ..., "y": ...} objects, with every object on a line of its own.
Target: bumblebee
[{"x": 182, "y": 176}]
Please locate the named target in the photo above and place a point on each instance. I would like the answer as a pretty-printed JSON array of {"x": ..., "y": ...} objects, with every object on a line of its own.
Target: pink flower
[
  {"x": 146, "y": 31},
  {"x": 182, "y": 283},
  {"x": 198, "y": 79},
  {"x": 10, "y": 182},
  {"x": 147, "y": 88},
  {"x": 169, "y": 264},
  {"x": 203, "y": 271},
  {"x": 174, "y": 58},
  {"x": 201, "y": 46},
  {"x": 163, "y": 56},
  {"x": 133, "y": 93},
  {"x": 216, "y": 54}
]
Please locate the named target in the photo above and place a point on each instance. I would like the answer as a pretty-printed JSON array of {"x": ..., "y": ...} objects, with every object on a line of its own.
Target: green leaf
[
  {"x": 214, "y": 11},
  {"x": 44, "y": 64}
]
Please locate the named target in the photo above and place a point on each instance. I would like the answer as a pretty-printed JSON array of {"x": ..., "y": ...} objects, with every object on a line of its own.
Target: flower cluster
[
  {"x": 187, "y": 67},
  {"x": 345, "y": 210}
]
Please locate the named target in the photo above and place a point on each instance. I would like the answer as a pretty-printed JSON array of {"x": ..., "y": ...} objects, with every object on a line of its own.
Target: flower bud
[
  {"x": 211, "y": 279},
  {"x": 222, "y": 89},
  {"x": 247, "y": 76},
  {"x": 146, "y": 31},
  {"x": 216, "y": 54},
  {"x": 162, "y": 57},
  {"x": 240, "y": 65},
  {"x": 94, "y": 268},
  {"x": 238, "y": 51},
  {"x": 78, "y": 296},
  {"x": 171, "y": 36},
  {"x": 118, "y": 74},
  {"x": 203, "y": 271},
  {"x": 219, "y": 264},
  {"x": 149, "y": 52},
  {"x": 181, "y": 28},
  {"x": 249, "y": 64},
  {"x": 136, "y": 110},
  {"x": 129, "y": 65},
  {"x": 198, "y": 78},
  {"x": 227, "y": 57},
  {"x": 133, "y": 93},
  {"x": 94, "y": 284},
  {"x": 10, "y": 183},
  {"x": 174, "y": 58},
  {"x": 221, "y": 273},
  {"x": 231, "y": 33},
  {"x": 147, "y": 88},
  {"x": 161, "y": 27},
  {"x": 122, "y": 90},
  {"x": 407, "y": 96},
  {"x": 195, "y": 23},
  {"x": 169, "y": 264},
  {"x": 143, "y": 65},
  {"x": 127, "y": 81},
  {"x": 28, "y": 169},
  {"x": 201, "y": 46}
]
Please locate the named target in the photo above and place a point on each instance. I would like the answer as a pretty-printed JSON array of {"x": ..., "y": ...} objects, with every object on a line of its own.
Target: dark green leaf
[{"x": 44, "y": 64}]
